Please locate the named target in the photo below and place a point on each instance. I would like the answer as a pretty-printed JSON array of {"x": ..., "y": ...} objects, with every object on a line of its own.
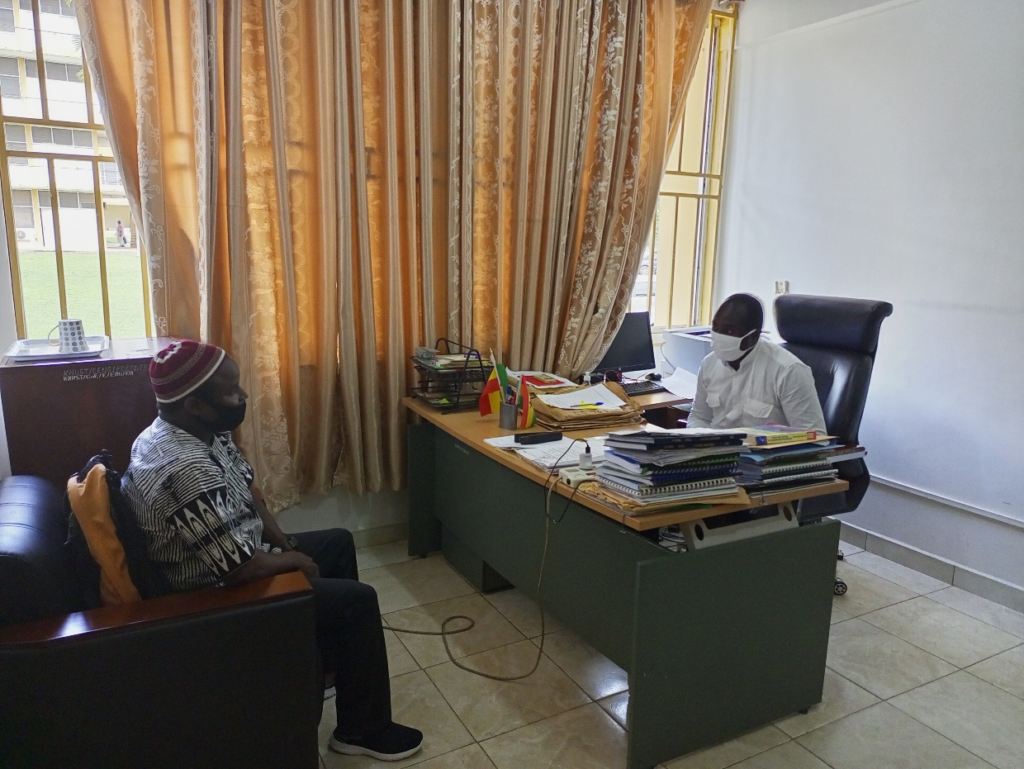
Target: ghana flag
[
  {"x": 494, "y": 390},
  {"x": 526, "y": 417}
]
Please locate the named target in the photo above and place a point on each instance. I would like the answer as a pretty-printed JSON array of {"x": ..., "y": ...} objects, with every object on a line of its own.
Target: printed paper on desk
[
  {"x": 564, "y": 453},
  {"x": 552, "y": 455},
  {"x": 503, "y": 442},
  {"x": 682, "y": 383},
  {"x": 587, "y": 398}
]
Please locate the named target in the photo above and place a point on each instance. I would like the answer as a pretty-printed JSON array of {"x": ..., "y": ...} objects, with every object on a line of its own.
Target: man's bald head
[{"x": 739, "y": 315}]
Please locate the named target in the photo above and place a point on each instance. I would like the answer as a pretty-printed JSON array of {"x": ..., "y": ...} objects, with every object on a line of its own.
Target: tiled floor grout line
[
  {"x": 900, "y": 638},
  {"x": 575, "y": 682},
  {"x": 986, "y": 622},
  {"x": 592, "y": 700},
  {"x": 969, "y": 616},
  {"x": 520, "y": 726},
  {"x": 826, "y": 763},
  {"x": 945, "y": 586},
  {"x": 933, "y": 729},
  {"x": 859, "y": 616},
  {"x": 448, "y": 661},
  {"x": 926, "y": 651},
  {"x": 986, "y": 659}
]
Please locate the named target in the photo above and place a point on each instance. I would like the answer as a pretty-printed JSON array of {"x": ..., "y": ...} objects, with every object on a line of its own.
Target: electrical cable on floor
[{"x": 444, "y": 632}]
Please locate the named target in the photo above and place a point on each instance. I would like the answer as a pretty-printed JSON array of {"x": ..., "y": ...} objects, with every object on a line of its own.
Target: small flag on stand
[
  {"x": 494, "y": 390},
  {"x": 526, "y": 416}
]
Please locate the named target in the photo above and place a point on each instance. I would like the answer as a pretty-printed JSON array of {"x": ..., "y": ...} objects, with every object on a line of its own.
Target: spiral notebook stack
[
  {"x": 794, "y": 464},
  {"x": 654, "y": 468}
]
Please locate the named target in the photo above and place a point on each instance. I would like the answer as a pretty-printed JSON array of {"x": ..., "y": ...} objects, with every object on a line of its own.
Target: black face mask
[{"x": 228, "y": 417}]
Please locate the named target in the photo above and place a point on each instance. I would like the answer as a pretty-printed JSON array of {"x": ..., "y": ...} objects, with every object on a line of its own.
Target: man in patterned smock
[{"x": 191, "y": 491}]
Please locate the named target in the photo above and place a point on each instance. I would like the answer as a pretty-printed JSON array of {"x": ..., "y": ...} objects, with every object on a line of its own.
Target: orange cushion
[{"x": 90, "y": 502}]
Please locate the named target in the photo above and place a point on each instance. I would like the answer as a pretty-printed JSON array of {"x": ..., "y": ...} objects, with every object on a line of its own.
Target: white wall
[{"x": 876, "y": 150}]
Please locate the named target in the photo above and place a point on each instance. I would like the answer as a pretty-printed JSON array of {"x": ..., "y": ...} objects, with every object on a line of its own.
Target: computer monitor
[{"x": 632, "y": 348}]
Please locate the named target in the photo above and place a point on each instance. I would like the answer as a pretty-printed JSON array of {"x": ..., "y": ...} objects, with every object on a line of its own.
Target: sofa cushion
[{"x": 90, "y": 503}]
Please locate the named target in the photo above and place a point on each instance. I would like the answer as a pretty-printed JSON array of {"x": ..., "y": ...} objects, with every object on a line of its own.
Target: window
[
  {"x": 24, "y": 214},
  {"x": 58, "y": 71},
  {"x": 62, "y": 137},
  {"x": 109, "y": 174},
  {"x": 15, "y": 137},
  {"x": 63, "y": 193},
  {"x": 6, "y": 15},
  {"x": 70, "y": 200},
  {"x": 10, "y": 78},
  {"x": 55, "y": 7},
  {"x": 677, "y": 266},
  {"x": 55, "y": 70}
]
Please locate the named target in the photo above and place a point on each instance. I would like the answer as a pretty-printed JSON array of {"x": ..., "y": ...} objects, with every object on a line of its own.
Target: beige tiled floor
[{"x": 919, "y": 675}]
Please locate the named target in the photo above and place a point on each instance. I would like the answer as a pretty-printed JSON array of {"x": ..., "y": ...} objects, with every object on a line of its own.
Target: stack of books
[
  {"x": 782, "y": 458},
  {"x": 654, "y": 468}
]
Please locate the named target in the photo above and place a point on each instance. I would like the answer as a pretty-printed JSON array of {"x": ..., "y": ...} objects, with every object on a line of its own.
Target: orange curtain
[
  {"x": 324, "y": 186},
  {"x": 561, "y": 117}
]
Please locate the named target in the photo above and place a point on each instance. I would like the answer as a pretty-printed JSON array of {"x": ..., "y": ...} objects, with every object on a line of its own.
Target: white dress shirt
[{"x": 772, "y": 386}]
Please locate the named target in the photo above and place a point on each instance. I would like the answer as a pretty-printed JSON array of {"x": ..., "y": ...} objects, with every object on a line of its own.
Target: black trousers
[{"x": 349, "y": 634}]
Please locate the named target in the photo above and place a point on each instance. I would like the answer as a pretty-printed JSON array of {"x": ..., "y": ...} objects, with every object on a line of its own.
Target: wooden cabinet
[{"x": 59, "y": 413}]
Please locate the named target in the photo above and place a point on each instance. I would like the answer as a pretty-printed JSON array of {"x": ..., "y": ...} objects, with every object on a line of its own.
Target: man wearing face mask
[
  {"x": 191, "y": 492},
  {"x": 748, "y": 381}
]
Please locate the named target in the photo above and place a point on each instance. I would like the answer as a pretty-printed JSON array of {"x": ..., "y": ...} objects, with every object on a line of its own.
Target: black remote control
[{"x": 527, "y": 439}]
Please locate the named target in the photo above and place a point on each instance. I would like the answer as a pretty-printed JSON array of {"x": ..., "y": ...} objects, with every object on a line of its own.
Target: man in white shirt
[{"x": 748, "y": 381}]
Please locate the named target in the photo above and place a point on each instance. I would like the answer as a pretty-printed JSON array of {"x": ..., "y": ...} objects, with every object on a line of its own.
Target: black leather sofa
[{"x": 224, "y": 677}]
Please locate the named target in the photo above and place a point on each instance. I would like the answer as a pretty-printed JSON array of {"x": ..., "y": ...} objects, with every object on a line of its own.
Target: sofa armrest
[
  {"x": 170, "y": 607},
  {"x": 225, "y": 677}
]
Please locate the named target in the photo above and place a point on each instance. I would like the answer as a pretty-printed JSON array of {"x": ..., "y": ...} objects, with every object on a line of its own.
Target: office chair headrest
[{"x": 830, "y": 321}]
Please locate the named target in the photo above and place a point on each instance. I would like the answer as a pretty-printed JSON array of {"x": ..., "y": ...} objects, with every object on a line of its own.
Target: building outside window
[
  {"x": 66, "y": 261},
  {"x": 676, "y": 274}
]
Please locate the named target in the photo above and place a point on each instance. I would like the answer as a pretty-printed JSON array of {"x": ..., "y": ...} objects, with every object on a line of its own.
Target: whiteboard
[{"x": 881, "y": 155}]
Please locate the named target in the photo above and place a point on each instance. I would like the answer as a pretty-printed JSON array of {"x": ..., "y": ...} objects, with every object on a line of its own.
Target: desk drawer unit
[{"x": 716, "y": 642}]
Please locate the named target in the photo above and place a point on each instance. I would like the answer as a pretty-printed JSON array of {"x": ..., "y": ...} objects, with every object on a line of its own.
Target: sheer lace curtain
[{"x": 323, "y": 186}]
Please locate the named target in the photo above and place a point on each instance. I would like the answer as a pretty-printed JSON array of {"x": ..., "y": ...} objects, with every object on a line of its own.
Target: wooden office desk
[
  {"x": 661, "y": 400},
  {"x": 716, "y": 641},
  {"x": 472, "y": 429}
]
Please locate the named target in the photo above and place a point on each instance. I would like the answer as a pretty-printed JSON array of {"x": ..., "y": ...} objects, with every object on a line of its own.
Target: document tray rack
[{"x": 451, "y": 376}]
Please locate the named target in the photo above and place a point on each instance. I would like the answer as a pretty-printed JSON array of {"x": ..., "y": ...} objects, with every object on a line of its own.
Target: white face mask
[{"x": 727, "y": 348}]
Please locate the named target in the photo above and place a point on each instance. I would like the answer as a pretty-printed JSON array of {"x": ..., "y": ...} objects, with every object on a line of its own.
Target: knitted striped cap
[{"x": 182, "y": 367}]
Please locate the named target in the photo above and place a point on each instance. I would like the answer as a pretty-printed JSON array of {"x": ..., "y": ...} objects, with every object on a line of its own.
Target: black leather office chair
[{"x": 837, "y": 338}]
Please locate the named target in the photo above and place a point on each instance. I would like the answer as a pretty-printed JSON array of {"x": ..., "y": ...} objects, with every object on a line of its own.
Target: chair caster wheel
[
  {"x": 804, "y": 712},
  {"x": 840, "y": 556},
  {"x": 840, "y": 587}
]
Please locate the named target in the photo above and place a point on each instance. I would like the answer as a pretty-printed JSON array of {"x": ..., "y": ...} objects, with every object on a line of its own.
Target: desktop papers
[
  {"x": 587, "y": 398},
  {"x": 564, "y": 453},
  {"x": 553, "y": 455},
  {"x": 682, "y": 383}
]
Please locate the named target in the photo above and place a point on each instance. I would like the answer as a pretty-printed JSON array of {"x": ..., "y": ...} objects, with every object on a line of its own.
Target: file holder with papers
[{"x": 450, "y": 379}]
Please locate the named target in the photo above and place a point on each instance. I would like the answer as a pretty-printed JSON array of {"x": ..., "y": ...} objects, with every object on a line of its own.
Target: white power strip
[{"x": 574, "y": 476}]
